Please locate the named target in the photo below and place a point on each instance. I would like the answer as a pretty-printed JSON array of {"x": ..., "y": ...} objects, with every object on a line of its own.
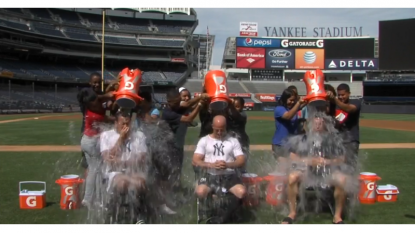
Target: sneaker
[{"x": 166, "y": 210}]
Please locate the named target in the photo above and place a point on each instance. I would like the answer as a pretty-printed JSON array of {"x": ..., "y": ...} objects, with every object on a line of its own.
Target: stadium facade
[{"x": 46, "y": 54}]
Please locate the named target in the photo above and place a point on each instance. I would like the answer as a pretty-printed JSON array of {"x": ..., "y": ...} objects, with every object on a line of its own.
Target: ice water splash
[{"x": 322, "y": 139}]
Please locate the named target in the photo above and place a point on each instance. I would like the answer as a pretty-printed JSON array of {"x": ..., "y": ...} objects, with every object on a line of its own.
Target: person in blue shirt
[{"x": 286, "y": 122}]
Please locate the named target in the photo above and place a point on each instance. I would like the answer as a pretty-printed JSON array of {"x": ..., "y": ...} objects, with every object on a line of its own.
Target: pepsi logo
[{"x": 248, "y": 41}]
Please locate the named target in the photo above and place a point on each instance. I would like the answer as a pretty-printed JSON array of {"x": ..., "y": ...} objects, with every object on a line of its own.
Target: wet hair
[
  {"x": 240, "y": 99},
  {"x": 122, "y": 113},
  {"x": 172, "y": 94},
  {"x": 343, "y": 87},
  {"x": 286, "y": 94}
]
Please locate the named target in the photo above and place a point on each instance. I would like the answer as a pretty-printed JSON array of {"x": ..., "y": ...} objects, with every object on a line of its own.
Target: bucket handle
[{"x": 31, "y": 182}]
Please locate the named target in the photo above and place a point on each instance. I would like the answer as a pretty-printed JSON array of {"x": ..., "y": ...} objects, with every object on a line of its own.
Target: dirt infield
[
  {"x": 41, "y": 117},
  {"x": 52, "y": 148},
  {"x": 380, "y": 124}
]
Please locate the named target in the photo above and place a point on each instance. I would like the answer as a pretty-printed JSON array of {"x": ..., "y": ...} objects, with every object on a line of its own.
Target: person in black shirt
[
  {"x": 178, "y": 120},
  {"x": 352, "y": 107}
]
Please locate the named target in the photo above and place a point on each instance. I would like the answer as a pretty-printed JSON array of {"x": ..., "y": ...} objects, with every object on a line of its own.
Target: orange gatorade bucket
[
  {"x": 129, "y": 84},
  {"x": 367, "y": 193},
  {"x": 314, "y": 82},
  {"x": 251, "y": 182},
  {"x": 387, "y": 193},
  {"x": 32, "y": 199},
  {"x": 276, "y": 188},
  {"x": 70, "y": 191},
  {"x": 217, "y": 89}
]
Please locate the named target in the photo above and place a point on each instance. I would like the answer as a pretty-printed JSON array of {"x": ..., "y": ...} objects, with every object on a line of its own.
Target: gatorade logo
[
  {"x": 69, "y": 191},
  {"x": 370, "y": 186},
  {"x": 31, "y": 201},
  {"x": 388, "y": 197},
  {"x": 279, "y": 187}
]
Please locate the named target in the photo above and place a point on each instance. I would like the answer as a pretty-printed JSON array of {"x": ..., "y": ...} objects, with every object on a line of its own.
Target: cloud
[{"x": 224, "y": 23}]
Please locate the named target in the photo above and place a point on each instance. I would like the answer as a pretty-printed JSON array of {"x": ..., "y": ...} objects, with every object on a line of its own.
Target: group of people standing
[{"x": 153, "y": 143}]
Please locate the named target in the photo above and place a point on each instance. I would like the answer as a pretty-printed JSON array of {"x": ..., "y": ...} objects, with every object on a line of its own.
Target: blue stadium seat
[
  {"x": 168, "y": 26},
  {"x": 46, "y": 29}
]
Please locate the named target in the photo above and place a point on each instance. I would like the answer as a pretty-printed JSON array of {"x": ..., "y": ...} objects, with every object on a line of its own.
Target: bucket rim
[
  {"x": 249, "y": 175},
  {"x": 277, "y": 174},
  {"x": 368, "y": 174},
  {"x": 70, "y": 177}
]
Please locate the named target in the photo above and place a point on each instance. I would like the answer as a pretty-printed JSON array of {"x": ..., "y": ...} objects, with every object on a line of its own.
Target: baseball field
[{"x": 44, "y": 147}]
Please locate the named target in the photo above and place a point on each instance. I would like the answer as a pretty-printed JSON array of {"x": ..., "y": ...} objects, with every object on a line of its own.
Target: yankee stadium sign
[{"x": 315, "y": 32}]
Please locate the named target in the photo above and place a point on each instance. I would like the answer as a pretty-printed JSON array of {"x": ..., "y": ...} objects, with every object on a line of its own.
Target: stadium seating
[
  {"x": 15, "y": 25},
  {"x": 167, "y": 26},
  {"x": 132, "y": 24},
  {"x": 40, "y": 13},
  {"x": 119, "y": 40},
  {"x": 164, "y": 43},
  {"x": 79, "y": 34},
  {"x": 47, "y": 29},
  {"x": 160, "y": 97},
  {"x": 67, "y": 17}
]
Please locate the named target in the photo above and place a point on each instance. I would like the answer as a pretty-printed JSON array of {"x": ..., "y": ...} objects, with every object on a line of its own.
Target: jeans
[{"x": 90, "y": 146}]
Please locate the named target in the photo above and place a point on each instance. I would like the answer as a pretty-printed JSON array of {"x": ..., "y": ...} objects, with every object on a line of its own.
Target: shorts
[
  {"x": 278, "y": 151},
  {"x": 225, "y": 182}
]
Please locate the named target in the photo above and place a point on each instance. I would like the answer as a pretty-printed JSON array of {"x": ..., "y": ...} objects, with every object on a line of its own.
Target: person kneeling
[
  {"x": 125, "y": 156},
  {"x": 320, "y": 168},
  {"x": 220, "y": 154}
]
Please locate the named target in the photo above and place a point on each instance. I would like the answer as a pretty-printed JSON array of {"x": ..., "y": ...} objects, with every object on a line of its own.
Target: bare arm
[
  {"x": 336, "y": 161},
  {"x": 292, "y": 112},
  {"x": 198, "y": 161},
  {"x": 239, "y": 162},
  {"x": 349, "y": 108},
  {"x": 192, "y": 115}
]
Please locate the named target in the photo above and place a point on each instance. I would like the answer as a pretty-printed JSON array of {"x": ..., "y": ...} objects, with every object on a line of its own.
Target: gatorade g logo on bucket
[
  {"x": 31, "y": 201},
  {"x": 370, "y": 186},
  {"x": 69, "y": 191},
  {"x": 252, "y": 190},
  {"x": 279, "y": 187},
  {"x": 129, "y": 84},
  {"x": 217, "y": 89}
]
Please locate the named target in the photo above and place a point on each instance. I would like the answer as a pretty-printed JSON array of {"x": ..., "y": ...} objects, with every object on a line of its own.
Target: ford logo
[{"x": 279, "y": 53}]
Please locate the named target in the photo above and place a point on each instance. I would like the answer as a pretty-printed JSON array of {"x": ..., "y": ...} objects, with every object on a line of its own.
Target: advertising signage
[
  {"x": 300, "y": 43},
  {"x": 352, "y": 64},
  {"x": 280, "y": 58},
  {"x": 309, "y": 59},
  {"x": 257, "y": 42},
  {"x": 250, "y": 58},
  {"x": 248, "y": 29}
]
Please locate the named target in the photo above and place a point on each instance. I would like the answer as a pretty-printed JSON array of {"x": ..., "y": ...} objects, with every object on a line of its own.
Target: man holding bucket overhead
[{"x": 220, "y": 154}]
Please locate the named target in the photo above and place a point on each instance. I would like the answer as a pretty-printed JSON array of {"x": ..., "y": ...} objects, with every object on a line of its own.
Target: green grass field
[{"x": 393, "y": 165}]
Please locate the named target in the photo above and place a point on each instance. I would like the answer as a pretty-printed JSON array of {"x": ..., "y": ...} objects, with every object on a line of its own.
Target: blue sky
[{"x": 225, "y": 22}]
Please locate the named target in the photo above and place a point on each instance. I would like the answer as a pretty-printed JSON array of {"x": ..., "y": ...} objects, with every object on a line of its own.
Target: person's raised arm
[
  {"x": 171, "y": 116},
  {"x": 193, "y": 101},
  {"x": 347, "y": 107},
  {"x": 288, "y": 115}
]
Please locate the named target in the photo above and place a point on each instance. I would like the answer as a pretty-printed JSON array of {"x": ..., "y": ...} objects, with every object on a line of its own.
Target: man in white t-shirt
[
  {"x": 125, "y": 156},
  {"x": 220, "y": 154}
]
